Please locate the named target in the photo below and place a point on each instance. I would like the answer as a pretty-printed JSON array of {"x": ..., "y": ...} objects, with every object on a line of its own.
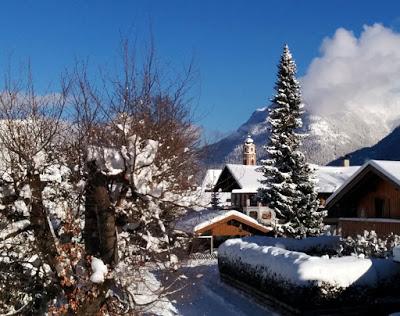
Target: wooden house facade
[
  {"x": 243, "y": 182},
  {"x": 369, "y": 200}
]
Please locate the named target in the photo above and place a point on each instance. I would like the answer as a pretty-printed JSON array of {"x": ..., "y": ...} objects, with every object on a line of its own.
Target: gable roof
[
  {"x": 210, "y": 179},
  {"x": 199, "y": 222},
  {"x": 385, "y": 168},
  {"x": 329, "y": 178},
  {"x": 246, "y": 176}
]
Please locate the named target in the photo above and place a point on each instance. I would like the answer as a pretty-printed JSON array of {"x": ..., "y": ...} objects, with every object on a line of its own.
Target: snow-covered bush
[
  {"x": 369, "y": 245},
  {"x": 292, "y": 276}
]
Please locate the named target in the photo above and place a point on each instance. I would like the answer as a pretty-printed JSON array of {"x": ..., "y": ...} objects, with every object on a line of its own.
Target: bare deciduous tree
[{"x": 104, "y": 179}]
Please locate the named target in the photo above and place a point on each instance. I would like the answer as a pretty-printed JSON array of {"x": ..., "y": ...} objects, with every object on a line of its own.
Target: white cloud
[{"x": 356, "y": 74}]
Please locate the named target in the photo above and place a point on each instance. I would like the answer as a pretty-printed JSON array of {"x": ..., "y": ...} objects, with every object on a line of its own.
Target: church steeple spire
[{"x": 249, "y": 151}]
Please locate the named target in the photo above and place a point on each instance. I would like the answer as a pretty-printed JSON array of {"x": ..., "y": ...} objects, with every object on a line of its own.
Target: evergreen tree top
[
  {"x": 287, "y": 68},
  {"x": 287, "y": 55}
]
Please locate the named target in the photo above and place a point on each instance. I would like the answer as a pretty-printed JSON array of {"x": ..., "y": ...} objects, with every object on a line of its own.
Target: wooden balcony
[{"x": 356, "y": 226}]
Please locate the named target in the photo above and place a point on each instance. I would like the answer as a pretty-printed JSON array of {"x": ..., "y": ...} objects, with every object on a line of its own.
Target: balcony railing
[{"x": 355, "y": 226}]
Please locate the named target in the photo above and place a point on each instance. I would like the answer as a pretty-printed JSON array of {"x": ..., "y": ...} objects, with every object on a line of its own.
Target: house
[
  {"x": 331, "y": 178},
  {"x": 243, "y": 182},
  {"x": 368, "y": 200},
  {"x": 218, "y": 225}
]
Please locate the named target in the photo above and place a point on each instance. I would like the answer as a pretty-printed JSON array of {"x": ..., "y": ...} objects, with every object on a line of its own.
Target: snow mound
[
  {"x": 99, "y": 270},
  {"x": 301, "y": 270}
]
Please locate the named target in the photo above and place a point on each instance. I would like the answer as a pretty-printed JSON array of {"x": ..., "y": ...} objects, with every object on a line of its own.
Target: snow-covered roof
[
  {"x": 210, "y": 179},
  {"x": 329, "y": 178},
  {"x": 231, "y": 213},
  {"x": 390, "y": 169},
  {"x": 193, "y": 218},
  {"x": 246, "y": 176},
  {"x": 197, "y": 220}
]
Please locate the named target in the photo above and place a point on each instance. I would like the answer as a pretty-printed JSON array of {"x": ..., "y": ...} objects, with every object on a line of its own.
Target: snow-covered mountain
[
  {"x": 386, "y": 149},
  {"x": 329, "y": 136}
]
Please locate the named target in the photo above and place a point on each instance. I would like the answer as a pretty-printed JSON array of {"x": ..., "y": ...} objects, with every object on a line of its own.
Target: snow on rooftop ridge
[
  {"x": 390, "y": 168},
  {"x": 188, "y": 222},
  {"x": 247, "y": 176},
  {"x": 199, "y": 219},
  {"x": 227, "y": 214},
  {"x": 329, "y": 178}
]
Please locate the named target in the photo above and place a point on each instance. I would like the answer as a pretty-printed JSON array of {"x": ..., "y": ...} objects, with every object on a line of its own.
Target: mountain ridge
[{"x": 329, "y": 137}]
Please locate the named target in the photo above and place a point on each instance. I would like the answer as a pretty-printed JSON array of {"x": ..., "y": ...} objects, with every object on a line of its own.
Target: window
[
  {"x": 379, "y": 207},
  {"x": 253, "y": 200},
  {"x": 253, "y": 214}
]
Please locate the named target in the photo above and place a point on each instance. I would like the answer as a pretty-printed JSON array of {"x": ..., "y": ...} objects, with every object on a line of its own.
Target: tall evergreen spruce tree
[{"x": 289, "y": 184}]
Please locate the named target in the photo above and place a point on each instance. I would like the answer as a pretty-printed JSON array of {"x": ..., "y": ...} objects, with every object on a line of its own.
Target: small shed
[
  {"x": 220, "y": 225},
  {"x": 231, "y": 223}
]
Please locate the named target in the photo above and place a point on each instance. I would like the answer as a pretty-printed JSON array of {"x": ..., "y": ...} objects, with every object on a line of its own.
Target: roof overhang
[{"x": 240, "y": 217}]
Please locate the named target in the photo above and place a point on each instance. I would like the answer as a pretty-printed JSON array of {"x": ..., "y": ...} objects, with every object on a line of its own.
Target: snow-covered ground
[{"x": 204, "y": 293}]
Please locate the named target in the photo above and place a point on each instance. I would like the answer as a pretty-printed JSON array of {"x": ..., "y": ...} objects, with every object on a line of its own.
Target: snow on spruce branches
[{"x": 289, "y": 185}]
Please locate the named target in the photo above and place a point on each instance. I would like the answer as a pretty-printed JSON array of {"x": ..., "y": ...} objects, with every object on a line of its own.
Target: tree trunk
[
  {"x": 40, "y": 224},
  {"x": 100, "y": 229},
  {"x": 43, "y": 235}
]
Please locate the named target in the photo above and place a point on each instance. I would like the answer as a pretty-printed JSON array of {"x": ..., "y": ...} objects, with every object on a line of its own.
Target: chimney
[{"x": 346, "y": 161}]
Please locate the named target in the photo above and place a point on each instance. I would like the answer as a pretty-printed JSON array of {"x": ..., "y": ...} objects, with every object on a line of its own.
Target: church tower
[{"x": 249, "y": 152}]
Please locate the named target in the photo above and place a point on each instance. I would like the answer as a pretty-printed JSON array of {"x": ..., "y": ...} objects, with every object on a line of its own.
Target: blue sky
[{"x": 235, "y": 44}]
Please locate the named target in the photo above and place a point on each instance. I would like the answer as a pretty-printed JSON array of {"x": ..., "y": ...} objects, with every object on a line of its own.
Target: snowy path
[{"x": 205, "y": 294}]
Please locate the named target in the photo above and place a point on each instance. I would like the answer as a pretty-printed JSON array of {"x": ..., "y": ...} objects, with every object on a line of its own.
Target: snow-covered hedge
[
  {"x": 319, "y": 245},
  {"x": 293, "y": 276}
]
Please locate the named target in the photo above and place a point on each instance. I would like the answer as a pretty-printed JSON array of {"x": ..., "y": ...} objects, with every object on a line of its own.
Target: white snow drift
[{"x": 301, "y": 270}]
